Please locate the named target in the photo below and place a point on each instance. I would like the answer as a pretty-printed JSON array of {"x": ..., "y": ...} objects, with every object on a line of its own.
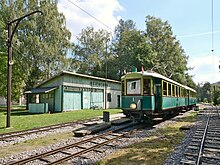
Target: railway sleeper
[
  {"x": 188, "y": 162},
  {"x": 194, "y": 144},
  {"x": 190, "y": 154},
  {"x": 46, "y": 159},
  {"x": 193, "y": 148},
  {"x": 66, "y": 152},
  {"x": 210, "y": 156},
  {"x": 210, "y": 142},
  {"x": 211, "y": 146},
  {"x": 212, "y": 150}
]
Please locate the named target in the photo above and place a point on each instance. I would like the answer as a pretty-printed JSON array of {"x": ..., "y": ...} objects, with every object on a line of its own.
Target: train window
[
  {"x": 180, "y": 92},
  {"x": 187, "y": 93},
  {"x": 164, "y": 88},
  {"x": 173, "y": 90},
  {"x": 133, "y": 87},
  {"x": 177, "y": 91},
  {"x": 146, "y": 87},
  {"x": 169, "y": 89}
]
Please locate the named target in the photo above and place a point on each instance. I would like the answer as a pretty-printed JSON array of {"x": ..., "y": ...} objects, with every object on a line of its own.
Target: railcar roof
[{"x": 157, "y": 75}]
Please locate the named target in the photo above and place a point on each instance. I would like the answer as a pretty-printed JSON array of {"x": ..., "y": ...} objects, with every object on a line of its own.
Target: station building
[{"x": 69, "y": 91}]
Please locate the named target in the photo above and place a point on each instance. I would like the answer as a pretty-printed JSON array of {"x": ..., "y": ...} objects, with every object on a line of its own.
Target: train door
[{"x": 157, "y": 95}]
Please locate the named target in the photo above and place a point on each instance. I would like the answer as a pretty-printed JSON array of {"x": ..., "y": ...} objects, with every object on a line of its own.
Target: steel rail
[
  {"x": 90, "y": 148},
  {"x": 40, "y": 156},
  {"x": 34, "y": 130},
  {"x": 39, "y": 129},
  {"x": 202, "y": 142}
]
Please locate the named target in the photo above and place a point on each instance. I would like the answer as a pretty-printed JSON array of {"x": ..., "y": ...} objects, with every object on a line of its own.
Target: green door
[
  {"x": 72, "y": 100},
  {"x": 158, "y": 95},
  {"x": 97, "y": 99},
  {"x": 86, "y": 100}
]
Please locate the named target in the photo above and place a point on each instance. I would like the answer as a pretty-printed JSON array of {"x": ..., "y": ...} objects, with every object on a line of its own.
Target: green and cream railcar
[{"x": 149, "y": 94}]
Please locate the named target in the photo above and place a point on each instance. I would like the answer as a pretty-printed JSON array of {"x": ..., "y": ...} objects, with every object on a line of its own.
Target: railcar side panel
[
  {"x": 192, "y": 101},
  {"x": 181, "y": 101},
  {"x": 169, "y": 102}
]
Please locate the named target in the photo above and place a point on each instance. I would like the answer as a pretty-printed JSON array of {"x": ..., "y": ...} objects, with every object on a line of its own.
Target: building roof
[
  {"x": 41, "y": 90},
  {"x": 79, "y": 75}
]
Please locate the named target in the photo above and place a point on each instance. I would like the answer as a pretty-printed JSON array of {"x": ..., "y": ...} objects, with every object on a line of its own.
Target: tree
[
  {"x": 89, "y": 54},
  {"x": 216, "y": 97},
  {"x": 40, "y": 43},
  {"x": 129, "y": 49},
  {"x": 132, "y": 51},
  {"x": 167, "y": 50},
  {"x": 204, "y": 91},
  {"x": 3, "y": 59}
]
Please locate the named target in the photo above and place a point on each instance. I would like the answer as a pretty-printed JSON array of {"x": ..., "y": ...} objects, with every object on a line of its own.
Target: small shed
[{"x": 69, "y": 91}]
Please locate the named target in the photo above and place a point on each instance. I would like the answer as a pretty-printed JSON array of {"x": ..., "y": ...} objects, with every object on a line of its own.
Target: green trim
[
  {"x": 62, "y": 91},
  {"x": 54, "y": 101}
]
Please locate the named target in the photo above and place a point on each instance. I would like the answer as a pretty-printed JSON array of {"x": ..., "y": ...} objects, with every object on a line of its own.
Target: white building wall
[{"x": 114, "y": 99}]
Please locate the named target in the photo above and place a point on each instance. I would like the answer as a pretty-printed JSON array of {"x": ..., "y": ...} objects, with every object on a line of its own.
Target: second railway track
[{"x": 205, "y": 145}]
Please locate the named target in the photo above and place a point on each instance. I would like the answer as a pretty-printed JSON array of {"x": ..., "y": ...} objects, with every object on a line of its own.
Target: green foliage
[
  {"x": 167, "y": 51},
  {"x": 90, "y": 53},
  {"x": 132, "y": 50},
  {"x": 216, "y": 97},
  {"x": 40, "y": 43},
  {"x": 3, "y": 58},
  {"x": 204, "y": 92},
  {"x": 155, "y": 49}
]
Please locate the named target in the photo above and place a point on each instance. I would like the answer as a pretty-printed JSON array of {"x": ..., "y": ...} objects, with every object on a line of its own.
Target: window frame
[
  {"x": 165, "y": 89},
  {"x": 134, "y": 94},
  {"x": 149, "y": 89}
]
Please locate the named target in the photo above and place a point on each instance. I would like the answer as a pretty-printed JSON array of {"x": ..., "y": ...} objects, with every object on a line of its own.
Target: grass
[
  {"x": 21, "y": 119},
  {"x": 154, "y": 149}
]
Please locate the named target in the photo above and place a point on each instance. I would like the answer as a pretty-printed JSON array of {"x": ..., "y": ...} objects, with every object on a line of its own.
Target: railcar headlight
[{"x": 133, "y": 106}]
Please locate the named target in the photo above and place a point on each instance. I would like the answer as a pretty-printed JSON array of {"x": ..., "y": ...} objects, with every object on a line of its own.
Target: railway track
[
  {"x": 19, "y": 134},
  {"x": 205, "y": 145},
  {"x": 78, "y": 149}
]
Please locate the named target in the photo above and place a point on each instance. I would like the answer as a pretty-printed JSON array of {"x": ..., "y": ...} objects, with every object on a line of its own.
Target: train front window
[{"x": 133, "y": 87}]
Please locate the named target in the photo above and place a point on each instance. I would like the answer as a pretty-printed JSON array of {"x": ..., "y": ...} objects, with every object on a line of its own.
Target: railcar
[{"x": 147, "y": 95}]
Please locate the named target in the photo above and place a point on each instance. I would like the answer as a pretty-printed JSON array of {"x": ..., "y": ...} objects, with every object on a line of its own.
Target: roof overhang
[{"x": 40, "y": 90}]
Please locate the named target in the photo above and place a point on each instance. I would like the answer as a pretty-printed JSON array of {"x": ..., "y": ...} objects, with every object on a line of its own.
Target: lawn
[{"x": 21, "y": 119}]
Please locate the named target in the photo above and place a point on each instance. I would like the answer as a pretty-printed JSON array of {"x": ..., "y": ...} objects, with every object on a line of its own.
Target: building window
[{"x": 109, "y": 97}]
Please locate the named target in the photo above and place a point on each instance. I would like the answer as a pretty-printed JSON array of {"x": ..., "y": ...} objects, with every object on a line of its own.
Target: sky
[{"x": 193, "y": 22}]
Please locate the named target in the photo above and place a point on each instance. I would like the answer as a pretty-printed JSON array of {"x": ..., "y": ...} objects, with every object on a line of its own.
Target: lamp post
[
  {"x": 10, "y": 62},
  {"x": 106, "y": 72}
]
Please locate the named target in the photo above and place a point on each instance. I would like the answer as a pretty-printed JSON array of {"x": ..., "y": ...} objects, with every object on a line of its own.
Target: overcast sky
[{"x": 191, "y": 21}]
